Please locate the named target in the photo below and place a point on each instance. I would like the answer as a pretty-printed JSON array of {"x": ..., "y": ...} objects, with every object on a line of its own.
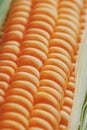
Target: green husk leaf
[
  {"x": 83, "y": 118},
  {"x": 78, "y": 118},
  {"x": 4, "y": 7}
]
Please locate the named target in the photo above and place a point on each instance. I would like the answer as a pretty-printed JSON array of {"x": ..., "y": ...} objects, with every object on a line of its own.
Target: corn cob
[{"x": 39, "y": 59}]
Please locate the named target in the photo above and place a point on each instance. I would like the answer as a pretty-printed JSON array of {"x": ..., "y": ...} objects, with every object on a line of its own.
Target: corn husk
[
  {"x": 83, "y": 118},
  {"x": 4, "y": 7},
  {"x": 78, "y": 118}
]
